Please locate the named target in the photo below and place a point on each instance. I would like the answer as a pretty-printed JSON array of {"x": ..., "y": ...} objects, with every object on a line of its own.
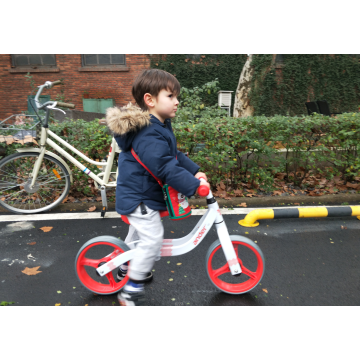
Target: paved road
[{"x": 308, "y": 262}]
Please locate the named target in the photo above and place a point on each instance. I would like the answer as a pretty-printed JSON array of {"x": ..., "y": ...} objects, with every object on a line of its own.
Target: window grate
[
  {"x": 33, "y": 60},
  {"x": 103, "y": 59}
]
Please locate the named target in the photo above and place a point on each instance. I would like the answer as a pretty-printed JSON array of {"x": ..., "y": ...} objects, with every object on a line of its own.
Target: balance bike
[{"x": 234, "y": 263}]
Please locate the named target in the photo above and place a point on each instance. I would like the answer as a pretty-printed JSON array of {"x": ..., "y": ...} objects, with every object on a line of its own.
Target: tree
[{"x": 242, "y": 107}]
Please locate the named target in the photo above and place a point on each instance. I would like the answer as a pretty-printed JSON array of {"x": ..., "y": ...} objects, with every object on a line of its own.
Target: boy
[{"x": 149, "y": 133}]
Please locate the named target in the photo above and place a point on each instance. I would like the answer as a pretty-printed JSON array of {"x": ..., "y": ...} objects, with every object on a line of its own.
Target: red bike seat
[{"x": 126, "y": 221}]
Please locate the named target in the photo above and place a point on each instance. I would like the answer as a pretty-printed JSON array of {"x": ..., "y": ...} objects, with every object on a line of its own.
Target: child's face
[{"x": 165, "y": 105}]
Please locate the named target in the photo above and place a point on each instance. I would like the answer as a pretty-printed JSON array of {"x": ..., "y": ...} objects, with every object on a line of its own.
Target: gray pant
[{"x": 149, "y": 230}]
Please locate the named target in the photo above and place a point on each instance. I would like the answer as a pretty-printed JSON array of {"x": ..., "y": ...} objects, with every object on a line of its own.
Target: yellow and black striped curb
[{"x": 250, "y": 219}]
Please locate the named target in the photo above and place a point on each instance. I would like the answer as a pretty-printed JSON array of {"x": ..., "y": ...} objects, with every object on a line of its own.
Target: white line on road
[{"x": 114, "y": 214}]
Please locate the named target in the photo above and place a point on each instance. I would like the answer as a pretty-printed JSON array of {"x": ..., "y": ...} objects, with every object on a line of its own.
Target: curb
[{"x": 255, "y": 202}]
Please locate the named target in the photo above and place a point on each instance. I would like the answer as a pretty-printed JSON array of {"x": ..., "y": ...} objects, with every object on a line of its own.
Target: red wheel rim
[
  {"x": 254, "y": 276},
  {"x": 83, "y": 262}
]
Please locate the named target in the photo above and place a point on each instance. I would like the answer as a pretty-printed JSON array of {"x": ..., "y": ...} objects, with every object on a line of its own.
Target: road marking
[
  {"x": 114, "y": 214},
  {"x": 18, "y": 226}
]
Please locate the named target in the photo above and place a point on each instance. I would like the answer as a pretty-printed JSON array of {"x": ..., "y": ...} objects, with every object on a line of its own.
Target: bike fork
[
  {"x": 104, "y": 200},
  {"x": 227, "y": 246}
]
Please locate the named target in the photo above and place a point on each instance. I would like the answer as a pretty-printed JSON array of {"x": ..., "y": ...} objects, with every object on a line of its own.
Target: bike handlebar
[
  {"x": 57, "y": 82},
  {"x": 66, "y": 105},
  {"x": 203, "y": 190}
]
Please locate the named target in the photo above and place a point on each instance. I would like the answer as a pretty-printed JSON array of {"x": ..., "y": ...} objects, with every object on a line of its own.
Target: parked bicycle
[
  {"x": 234, "y": 263},
  {"x": 35, "y": 180}
]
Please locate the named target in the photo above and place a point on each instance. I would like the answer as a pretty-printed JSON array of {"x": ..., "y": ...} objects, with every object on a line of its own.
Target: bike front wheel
[
  {"x": 50, "y": 189},
  {"x": 251, "y": 260},
  {"x": 93, "y": 254}
]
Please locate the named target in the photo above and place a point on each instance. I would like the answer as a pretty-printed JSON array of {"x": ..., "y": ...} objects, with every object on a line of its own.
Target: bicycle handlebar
[
  {"x": 203, "y": 190},
  {"x": 57, "y": 82},
  {"x": 66, "y": 105}
]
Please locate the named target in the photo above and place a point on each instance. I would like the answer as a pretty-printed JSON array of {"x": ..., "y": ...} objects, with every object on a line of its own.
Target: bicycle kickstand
[{"x": 104, "y": 201}]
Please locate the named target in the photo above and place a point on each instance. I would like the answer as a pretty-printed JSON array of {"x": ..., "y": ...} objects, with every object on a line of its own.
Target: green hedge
[{"x": 248, "y": 150}]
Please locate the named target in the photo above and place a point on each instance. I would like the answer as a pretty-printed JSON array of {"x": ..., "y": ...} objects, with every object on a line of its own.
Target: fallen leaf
[
  {"x": 238, "y": 192},
  {"x": 249, "y": 195},
  {"x": 32, "y": 243},
  {"x": 313, "y": 193},
  {"x": 168, "y": 262},
  {"x": 172, "y": 231},
  {"x": 93, "y": 208},
  {"x": 98, "y": 198},
  {"x": 178, "y": 264},
  {"x": 58, "y": 304},
  {"x": 173, "y": 299},
  {"x": 343, "y": 227},
  {"x": 192, "y": 207},
  {"x": 31, "y": 271},
  {"x": 59, "y": 292},
  {"x": 46, "y": 228},
  {"x": 172, "y": 271},
  {"x": 265, "y": 290},
  {"x": 86, "y": 304},
  {"x": 276, "y": 192},
  {"x": 242, "y": 205},
  {"x": 246, "y": 232},
  {"x": 298, "y": 204},
  {"x": 65, "y": 200},
  {"x": 171, "y": 279}
]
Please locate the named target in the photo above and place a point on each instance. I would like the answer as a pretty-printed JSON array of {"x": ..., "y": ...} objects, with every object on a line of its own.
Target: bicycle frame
[
  {"x": 106, "y": 166},
  {"x": 175, "y": 247}
]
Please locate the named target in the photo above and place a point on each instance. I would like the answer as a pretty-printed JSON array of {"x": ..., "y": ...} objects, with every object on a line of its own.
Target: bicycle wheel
[
  {"x": 93, "y": 254},
  {"x": 251, "y": 260},
  {"x": 50, "y": 189}
]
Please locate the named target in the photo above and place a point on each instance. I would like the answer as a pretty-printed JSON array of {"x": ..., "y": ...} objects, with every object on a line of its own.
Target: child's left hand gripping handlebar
[{"x": 204, "y": 188}]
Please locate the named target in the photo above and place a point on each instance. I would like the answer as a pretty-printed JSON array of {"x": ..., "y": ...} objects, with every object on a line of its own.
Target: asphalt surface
[{"x": 308, "y": 262}]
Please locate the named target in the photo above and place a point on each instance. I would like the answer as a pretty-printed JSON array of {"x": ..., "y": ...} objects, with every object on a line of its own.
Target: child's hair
[{"x": 152, "y": 81}]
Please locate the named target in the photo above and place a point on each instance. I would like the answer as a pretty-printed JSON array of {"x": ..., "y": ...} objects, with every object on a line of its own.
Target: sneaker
[
  {"x": 121, "y": 275},
  {"x": 131, "y": 298}
]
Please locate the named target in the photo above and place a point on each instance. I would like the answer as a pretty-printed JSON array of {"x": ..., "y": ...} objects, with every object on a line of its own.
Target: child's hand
[{"x": 201, "y": 174}]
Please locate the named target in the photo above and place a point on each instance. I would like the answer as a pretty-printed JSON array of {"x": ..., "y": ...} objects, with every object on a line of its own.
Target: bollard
[{"x": 251, "y": 218}]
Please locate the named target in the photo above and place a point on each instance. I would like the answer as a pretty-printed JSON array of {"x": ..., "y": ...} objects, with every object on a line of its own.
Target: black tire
[{"x": 50, "y": 193}]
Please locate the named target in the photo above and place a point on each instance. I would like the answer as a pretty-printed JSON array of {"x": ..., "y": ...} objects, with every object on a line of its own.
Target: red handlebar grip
[{"x": 203, "y": 190}]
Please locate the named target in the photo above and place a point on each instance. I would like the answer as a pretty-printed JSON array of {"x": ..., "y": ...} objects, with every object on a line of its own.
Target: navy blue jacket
[{"x": 155, "y": 144}]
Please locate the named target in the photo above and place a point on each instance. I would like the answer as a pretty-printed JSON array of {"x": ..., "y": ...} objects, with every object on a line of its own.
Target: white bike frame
[
  {"x": 175, "y": 247},
  {"x": 106, "y": 166}
]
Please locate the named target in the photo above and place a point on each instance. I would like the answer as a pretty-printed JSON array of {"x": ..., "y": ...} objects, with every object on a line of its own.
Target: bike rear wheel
[
  {"x": 51, "y": 187},
  {"x": 93, "y": 254},
  {"x": 251, "y": 260}
]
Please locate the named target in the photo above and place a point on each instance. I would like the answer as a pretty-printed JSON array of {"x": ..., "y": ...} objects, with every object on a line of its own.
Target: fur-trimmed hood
[
  {"x": 129, "y": 118},
  {"x": 125, "y": 123}
]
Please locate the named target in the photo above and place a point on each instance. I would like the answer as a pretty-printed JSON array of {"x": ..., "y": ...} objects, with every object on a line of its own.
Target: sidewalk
[{"x": 235, "y": 202}]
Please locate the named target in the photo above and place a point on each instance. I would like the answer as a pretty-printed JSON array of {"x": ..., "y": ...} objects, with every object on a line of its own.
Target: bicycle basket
[{"x": 19, "y": 129}]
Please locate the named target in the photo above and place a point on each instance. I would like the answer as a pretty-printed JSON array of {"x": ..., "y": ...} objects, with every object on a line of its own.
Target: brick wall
[{"x": 14, "y": 88}]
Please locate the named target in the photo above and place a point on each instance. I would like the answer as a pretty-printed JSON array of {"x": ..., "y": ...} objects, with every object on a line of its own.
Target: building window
[
  {"x": 33, "y": 60},
  {"x": 103, "y": 60}
]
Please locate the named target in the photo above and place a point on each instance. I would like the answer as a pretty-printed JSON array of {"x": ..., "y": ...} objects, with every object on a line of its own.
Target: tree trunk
[{"x": 242, "y": 106}]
